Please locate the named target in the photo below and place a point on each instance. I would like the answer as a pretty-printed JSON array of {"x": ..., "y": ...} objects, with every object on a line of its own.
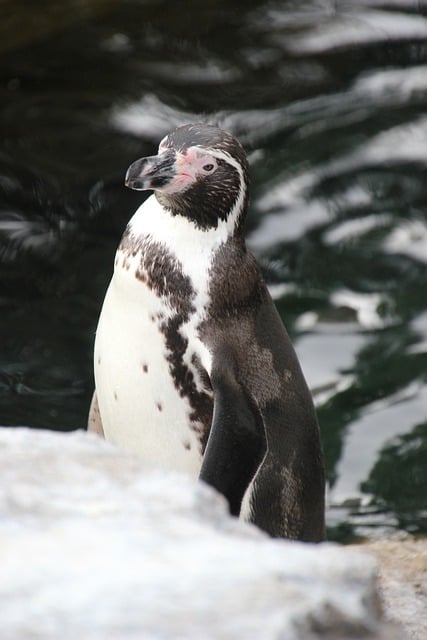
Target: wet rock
[{"x": 96, "y": 545}]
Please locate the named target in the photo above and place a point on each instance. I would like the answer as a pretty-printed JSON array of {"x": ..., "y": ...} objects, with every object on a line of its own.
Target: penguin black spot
[{"x": 161, "y": 271}]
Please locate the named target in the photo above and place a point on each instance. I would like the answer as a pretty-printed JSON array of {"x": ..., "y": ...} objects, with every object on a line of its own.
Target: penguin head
[{"x": 200, "y": 172}]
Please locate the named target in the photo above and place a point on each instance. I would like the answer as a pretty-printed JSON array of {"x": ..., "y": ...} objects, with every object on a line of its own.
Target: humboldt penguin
[{"x": 194, "y": 370}]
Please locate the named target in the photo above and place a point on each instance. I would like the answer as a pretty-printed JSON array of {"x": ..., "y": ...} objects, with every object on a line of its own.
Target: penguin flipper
[
  {"x": 236, "y": 444},
  {"x": 94, "y": 424}
]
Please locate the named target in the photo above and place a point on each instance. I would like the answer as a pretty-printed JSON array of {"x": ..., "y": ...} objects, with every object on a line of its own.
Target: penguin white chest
[{"x": 147, "y": 360}]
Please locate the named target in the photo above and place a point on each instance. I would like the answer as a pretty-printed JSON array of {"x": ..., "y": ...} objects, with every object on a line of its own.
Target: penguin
[{"x": 194, "y": 370}]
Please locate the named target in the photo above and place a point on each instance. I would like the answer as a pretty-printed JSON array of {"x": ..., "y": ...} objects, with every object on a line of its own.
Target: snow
[{"x": 95, "y": 544}]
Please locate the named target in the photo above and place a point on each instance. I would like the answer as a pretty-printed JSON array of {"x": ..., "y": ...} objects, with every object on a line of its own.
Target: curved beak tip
[
  {"x": 136, "y": 185},
  {"x": 133, "y": 179}
]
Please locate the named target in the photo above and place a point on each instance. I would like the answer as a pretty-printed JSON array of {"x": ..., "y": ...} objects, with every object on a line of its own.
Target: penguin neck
[
  {"x": 206, "y": 210},
  {"x": 178, "y": 234}
]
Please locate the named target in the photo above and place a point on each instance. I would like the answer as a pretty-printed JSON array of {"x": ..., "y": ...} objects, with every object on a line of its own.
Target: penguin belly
[{"x": 141, "y": 409}]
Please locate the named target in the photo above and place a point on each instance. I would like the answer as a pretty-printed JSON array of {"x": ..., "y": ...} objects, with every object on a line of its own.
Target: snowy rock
[{"x": 95, "y": 545}]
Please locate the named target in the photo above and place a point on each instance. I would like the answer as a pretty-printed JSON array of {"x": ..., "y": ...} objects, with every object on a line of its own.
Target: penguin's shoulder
[
  {"x": 241, "y": 310},
  {"x": 236, "y": 283}
]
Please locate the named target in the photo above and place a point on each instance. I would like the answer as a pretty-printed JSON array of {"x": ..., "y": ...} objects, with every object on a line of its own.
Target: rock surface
[
  {"x": 402, "y": 578},
  {"x": 95, "y": 545}
]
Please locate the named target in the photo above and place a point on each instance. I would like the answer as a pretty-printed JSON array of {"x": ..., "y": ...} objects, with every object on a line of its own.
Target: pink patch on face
[
  {"x": 191, "y": 155},
  {"x": 190, "y": 167}
]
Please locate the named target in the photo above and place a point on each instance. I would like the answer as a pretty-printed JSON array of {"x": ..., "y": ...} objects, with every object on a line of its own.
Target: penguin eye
[{"x": 208, "y": 167}]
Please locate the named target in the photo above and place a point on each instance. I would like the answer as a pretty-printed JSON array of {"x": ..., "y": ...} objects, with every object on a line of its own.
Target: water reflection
[
  {"x": 402, "y": 493},
  {"x": 330, "y": 100}
]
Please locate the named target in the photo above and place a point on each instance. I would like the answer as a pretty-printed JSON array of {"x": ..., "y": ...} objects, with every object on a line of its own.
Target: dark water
[{"x": 330, "y": 101}]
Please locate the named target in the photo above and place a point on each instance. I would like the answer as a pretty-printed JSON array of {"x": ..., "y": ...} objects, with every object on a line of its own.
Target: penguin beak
[{"x": 153, "y": 172}]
